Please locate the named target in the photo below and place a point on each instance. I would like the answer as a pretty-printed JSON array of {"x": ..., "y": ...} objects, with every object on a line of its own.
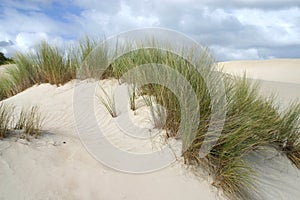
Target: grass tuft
[
  {"x": 5, "y": 119},
  {"x": 108, "y": 101},
  {"x": 30, "y": 122}
]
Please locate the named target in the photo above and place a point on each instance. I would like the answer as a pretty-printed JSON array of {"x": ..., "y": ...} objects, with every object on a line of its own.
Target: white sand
[
  {"x": 279, "y": 70},
  {"x": 48, "y": 168},
  {"x": 57, "y": 166}
]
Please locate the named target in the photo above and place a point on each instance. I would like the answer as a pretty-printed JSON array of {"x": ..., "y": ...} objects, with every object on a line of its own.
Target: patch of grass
[
  {"x": 108, "y": 101},
  {"x": 6, "y": 87},
  {"x": 92, "y": 54},
  {"x": 249, "y": 125},
  {"x": 132, "y": 91},
  {"x": 289, "y": 137},
  {"x": 29, "y": 122},
  {"x": 6, "y": 112},
  {"x": 226, "y": 160},
  {"x": 47, "y": 64},
  {"x": 54, "y": 67},
  {"x": 157, "y": 112}
]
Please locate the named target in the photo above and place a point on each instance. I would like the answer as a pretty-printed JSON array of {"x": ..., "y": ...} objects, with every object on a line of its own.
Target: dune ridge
[{"x": 233, "y": 175}]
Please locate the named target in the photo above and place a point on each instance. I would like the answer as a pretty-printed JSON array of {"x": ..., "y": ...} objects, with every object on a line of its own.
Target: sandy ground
[
  {"x": 57, "y": 165},
  {"x": 278, "y": 70}
]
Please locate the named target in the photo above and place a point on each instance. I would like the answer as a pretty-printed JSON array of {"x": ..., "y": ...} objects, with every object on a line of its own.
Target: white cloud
[
  {"x": 228, "y": 53},
  {"x": 236, "y": 29},
  {"x": 26, "y": 40},
  {"x": 95, "y": 22}
]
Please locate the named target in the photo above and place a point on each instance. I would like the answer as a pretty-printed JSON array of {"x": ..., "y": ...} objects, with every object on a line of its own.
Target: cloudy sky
[{"x": 233, "y": 29}]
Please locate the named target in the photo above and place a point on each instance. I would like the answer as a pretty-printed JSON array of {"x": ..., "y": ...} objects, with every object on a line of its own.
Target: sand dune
[
  {"x": 280, "y": 77},
  {"x": 278, "y": 179},
  {"x": 66, "y": 170},
  {"x": 57, "y": 166},
  {"x": 278, "y": 70}
]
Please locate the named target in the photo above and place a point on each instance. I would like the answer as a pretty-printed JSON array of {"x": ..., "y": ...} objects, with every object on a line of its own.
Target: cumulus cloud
[{"x": 237, "y": 29}]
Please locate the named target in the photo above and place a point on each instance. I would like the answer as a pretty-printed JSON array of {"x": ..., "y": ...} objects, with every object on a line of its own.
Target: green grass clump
[
  {"x": 5, "y": 119},
  {"x": 252, "y": 121},
  {"x": 27, "y": 124},
  {"x": 289, "y": 133},
  {"x": 226, "y": 161},
  {"x": 54, "y": 66},
  {"x": 132, "y": 91},
  {"x": 108, "y": 101},
  {"x": 47, "y": 64},
  {"x": 240, "y": 136}
]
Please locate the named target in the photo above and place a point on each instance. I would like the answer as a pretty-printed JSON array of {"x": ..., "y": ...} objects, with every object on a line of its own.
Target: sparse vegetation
[
  {"x": 289, "y": 133},
  {"x": 27, "y": 124},
  {"x": 132, "y": 92},
  {"x": 251, "y": 122},
  {"x": 5, "y": 119},
  {"x": 108, "y": 101},
  {"x": 157, "y": 112}
]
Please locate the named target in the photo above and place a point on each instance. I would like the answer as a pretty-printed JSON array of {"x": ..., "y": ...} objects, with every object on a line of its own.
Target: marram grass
[
  {"x": 29, "y": 122},
  {"x": 5, "y": 119},
  {"x": 26, "y": 125},
  {"x": 107, "y": 100},
  {"x": 251, "y": 122}
]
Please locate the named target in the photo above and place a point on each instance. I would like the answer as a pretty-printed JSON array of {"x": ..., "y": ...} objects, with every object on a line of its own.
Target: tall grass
[
  {"x": 251, "y": 122},
  {"x": 289, "y": 133},
  {"x": 55, "y": 67},
  {"x": 47, "y": 64}
]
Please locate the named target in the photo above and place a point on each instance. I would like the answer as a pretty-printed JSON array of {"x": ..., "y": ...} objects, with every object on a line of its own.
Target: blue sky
[{"x": 233, "y": 30}]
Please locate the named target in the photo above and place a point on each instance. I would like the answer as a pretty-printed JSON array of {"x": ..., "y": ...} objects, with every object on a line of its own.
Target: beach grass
[
  {"x": 5, "y": 119},
  {"x": 107, "y": 100},
  {"x": 29, "y": 122},
  {"x": 132, "y": 91},
  {"x": 157, "y": 112},
  {"x": 252, "y": 121},
  {"x": 289, "y": 133}
]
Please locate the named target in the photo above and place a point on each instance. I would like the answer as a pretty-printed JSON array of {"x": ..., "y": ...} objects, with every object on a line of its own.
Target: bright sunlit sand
[{"x": 57, "y": 166}]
